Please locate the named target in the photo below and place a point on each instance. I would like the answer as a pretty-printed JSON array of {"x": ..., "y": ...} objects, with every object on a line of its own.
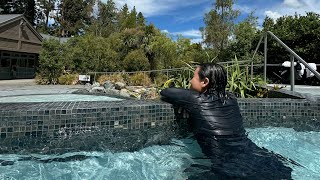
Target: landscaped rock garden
[{"x": 120, "y": 89}]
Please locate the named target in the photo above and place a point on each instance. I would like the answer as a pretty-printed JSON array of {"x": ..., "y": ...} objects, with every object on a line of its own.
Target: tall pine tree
[
  {"x": 26, "y": 7},
  {"x": 219, "y": 24}
]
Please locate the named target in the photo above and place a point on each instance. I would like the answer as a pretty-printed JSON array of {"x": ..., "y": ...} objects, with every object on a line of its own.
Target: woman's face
[{"x": 197, "y": 84}]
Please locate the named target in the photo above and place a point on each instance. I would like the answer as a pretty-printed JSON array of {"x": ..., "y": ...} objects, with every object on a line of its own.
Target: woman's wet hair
[{"x": 217, "y": 76}]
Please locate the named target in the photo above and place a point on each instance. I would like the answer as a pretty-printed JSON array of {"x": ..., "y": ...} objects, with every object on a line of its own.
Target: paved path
[
  {"x": 313, "y": 90},
  {"x": 28, "y": 86}
]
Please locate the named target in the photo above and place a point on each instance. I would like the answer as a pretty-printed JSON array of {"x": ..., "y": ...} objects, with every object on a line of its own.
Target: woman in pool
[{"x": 217, "y": 125}]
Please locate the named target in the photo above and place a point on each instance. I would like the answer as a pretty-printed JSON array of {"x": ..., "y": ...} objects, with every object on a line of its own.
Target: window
[
  {"x": 30, "y": 62},
  {"x": 5, "y": 62}
]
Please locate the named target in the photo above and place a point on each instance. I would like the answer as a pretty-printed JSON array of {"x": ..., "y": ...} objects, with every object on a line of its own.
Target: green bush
[
  {"x": 68, "y": 79},
  {"x": 113, "y": 78},
  {"x": 41, "y": 80},
  {"x": 136, "y": 61},
  {"x": 139, "y": 79},
  {"x": 160, "y": 79},
  {"x": 239, "y": 81},
  {"x": 51, "y": 62}
]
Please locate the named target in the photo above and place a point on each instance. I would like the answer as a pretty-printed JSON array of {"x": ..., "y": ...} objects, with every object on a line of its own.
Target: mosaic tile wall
[
  {"x": 55, "y": 122},
  {"x": 126, "y": 125},
  {"x": 301, "y": 114}
]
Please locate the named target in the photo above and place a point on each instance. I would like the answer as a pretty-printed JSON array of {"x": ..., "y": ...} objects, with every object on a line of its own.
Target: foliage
[
  {"x": 181, "y": 80},
  {"x": 26, "y": 7},
  {"x": 73, "y": 16},
  {"x": 297, "y": 32},
  {"x": 113, "y": 78},
  {"x": 41, "y": 80},
  {"x": 239, "y": 81},
  {"x": 219, "y": 23},
  {"x": 136, "y": 61},
  {"x": 245, "y": 33},
  {"x": 264, "y": 92},
  {"x": 164, "y": 52},
  {"x": 68, "y": 79},
  {"x": 105, "y": 23},
  {"x": 51, "y": 61},
  {"x": 42, "y": 14},
  {"x": 91, "y": 53},
  {"x": 160, "y": 79},
  {"x": 139, "y": 79}
]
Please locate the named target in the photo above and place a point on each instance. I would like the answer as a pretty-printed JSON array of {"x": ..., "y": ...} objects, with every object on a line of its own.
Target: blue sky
[{"x": 185, "y": 17}]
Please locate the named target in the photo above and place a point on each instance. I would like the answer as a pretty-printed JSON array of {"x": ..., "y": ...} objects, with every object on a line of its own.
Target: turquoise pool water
[
  {"x": 164, "y": 162},
  {"x": 56, "y": 98}
]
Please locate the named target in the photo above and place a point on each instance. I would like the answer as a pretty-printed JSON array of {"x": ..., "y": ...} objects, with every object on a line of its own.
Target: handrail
[{"x": 295, "y": 55}]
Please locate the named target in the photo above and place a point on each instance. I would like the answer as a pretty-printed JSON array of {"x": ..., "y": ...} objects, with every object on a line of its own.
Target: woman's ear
[{"x": 205, "y": 82}]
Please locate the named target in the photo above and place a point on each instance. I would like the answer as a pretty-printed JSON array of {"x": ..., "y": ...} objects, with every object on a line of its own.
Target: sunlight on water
[
  {"x": 164, "y": 162},
  {"x": 302, "y": 147}
]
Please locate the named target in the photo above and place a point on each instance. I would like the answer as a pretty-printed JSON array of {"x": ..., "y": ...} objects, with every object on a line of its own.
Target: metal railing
[
  {"x": 167, "y": 72},
  {"x": 293, "y": 56}
]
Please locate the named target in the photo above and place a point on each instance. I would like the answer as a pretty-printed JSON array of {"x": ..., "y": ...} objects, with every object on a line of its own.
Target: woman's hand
[{"x": 183, "y": 112}]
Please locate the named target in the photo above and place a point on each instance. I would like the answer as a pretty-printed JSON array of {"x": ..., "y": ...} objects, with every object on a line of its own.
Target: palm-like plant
[{"x": 239, "y": 81}]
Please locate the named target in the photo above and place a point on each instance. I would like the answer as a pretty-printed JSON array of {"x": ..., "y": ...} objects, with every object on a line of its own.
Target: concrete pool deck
[{"x": 28, "y": 86}]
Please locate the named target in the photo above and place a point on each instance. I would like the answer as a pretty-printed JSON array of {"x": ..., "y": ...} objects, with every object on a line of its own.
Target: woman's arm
[{"x": 178, "y": 96}]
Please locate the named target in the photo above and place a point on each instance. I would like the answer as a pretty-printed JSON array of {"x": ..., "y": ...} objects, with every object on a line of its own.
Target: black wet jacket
[
  {"x": 217, "y": 125},
  {"x": 210, "y": 115}
]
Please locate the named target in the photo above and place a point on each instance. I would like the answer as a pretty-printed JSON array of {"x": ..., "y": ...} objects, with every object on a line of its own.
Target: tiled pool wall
[
  {"x": 59, "y": 127},
  {"x": 69, "y": 126},
  {"x": 300, "y": 114}
]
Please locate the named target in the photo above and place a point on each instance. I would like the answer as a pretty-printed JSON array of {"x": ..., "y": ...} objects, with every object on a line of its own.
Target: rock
[
  {"x": 140, "y": 90},
  {"x": 98, "y": 90},
  {"x": 119, "y": 85},
  {"x": 96, "y": 84},
  {"x": 135, "y": 95},
  {"x": 124, "y": 93},
  {"x": 112, "y": 91},
  {"x": 133, "y": 88},
  {"x": 87, "y": 86},
  {"x": 108, "y": 85},
  {"x": 150, "y": 93}
]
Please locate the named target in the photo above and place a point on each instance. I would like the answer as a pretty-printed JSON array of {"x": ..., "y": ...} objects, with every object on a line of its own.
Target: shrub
[
  {"x": 113, "y": 78},
  {"x": 136, "y": 61},
  {"x": 51, "y": 60},
  {"x": 139, "y": 79},
  {"x": 239, "y": 81},
  {"x": 160, "y": 79},
  {"x": 68, "y": 79},
  {"x": 41, "y": 80}
]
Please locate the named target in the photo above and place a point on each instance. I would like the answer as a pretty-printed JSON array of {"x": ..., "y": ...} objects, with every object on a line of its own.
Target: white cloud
[
  {"x": 189, "y": 33},
  {"x": 165, "y": 31},
  {"x": 273, "y": 15},
  {"x": 194, "y": 35},
  {"x": 293, "y": 3},
  {"x": 243, "y": 8},
  {"x": 290, "y": 7},
  {"x": 156, "y": 7},
  {"x": 196, "y": 40}
]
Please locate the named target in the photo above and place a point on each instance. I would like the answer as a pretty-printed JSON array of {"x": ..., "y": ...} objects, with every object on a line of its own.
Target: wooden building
[{"x": 20, "y": 44}]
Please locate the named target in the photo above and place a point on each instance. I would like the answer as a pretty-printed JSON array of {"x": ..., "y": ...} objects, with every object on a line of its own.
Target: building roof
[
  {"x": 61, "y": 39},
  {"x": 7, "y": 17}
]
